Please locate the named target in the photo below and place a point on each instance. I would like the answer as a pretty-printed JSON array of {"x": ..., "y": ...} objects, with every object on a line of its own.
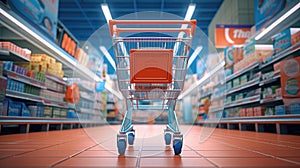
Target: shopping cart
[{"x": 154, "y": 69}]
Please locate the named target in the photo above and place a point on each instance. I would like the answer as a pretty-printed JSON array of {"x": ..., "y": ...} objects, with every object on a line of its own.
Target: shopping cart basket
[{"x": 151, "y": 68}]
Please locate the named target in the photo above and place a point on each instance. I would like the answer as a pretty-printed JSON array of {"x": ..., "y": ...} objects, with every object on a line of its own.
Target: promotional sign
[
  {"x": 265, "y": 10},
  {"x": 229, "y": 35},
  {"x": 290, "y": 78},
  {"x": 41, "y": 12}
]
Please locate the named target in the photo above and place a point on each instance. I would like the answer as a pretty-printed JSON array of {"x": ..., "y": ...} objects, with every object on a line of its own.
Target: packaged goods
[
  {"x": 56, "y": 112},
  {"x": 249, "y": 112},
  {"x": 7, "y": 65},
  {"x": 290, "y": 78},
  {"x": 16, "y": 49},
  {"x": 285, "y": 39},
  {"x": 280, "y": 110},
  {"x": 48, "y": 112},
  {"x": 244, "y": 79},
  {"x": 36, "y": 110},
  {"x": 269, "y": 111},
  {"x": 14, "y": 108},
  {"x": 295, "y": 108},
  {"x": 259, "y": 111},
  {"x": 228, "y": 85},
  {"x": 236, "y": 82},
  {"x": 24, "y": 110}
]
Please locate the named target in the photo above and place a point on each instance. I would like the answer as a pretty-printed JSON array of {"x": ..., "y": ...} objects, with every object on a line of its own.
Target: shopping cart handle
[{"x": 189, "y": 31}]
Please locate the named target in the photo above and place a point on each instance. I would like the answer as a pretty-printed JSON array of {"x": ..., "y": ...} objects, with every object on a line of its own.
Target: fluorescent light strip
[
  {"x": 189, "y": 13},
  {"x": 108, "y": 56},
  {"x": 278, "y": 21},
  {"x": 194, "y": 56},
  {"x": 106, "y": 12}
]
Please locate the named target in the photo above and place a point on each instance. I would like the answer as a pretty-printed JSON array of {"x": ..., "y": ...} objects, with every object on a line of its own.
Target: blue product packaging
[
  {"x": 295, "y": 108},
  {"x": 7, "y": 65},
  {"x": 280, "y": 110},
  {"x": 282, "y": 40},
  {"x": 14, "y": 108},
  {"x": 24, "y": 110}
]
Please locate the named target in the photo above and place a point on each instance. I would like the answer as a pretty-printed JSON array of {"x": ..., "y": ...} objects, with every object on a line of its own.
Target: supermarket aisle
[{"x": 225, "y": 148}]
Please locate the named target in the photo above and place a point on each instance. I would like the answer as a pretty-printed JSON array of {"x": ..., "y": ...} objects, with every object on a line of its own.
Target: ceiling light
[
  {"x": 190, "y": 11},
  {"x": 278, "y": 21},
  {"x": 108, "y": 56},
  {"x": 106, "y": 12},
  {"x": 194, "y": 56}
]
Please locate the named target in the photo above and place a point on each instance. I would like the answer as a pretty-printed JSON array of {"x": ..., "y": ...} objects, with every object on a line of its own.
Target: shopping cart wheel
[
  {"x": 168, "y": 138},
  {"x": 177, "y": 145},
  {"x": 131, "y": 138},
  {"x": 121, "y": 146}
]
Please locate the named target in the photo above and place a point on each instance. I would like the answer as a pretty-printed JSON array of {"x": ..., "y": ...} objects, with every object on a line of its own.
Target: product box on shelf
[
  {"x": 48, "y": 112},
  {"x": 56, "y": 112},
  {"x": 259, "y": 111},
  {"x": 4, "y": 105},
  {"x": 253, "y": 53},
  {"x": 14, "y": 108},
  {"x": 295, "y": 108},
  {"x": 242, "y": 112},
  {"x": 280, "y": 110},
  {"x": 63, "y": 113},
  {"x": 249, "y": 111},
  {"x": 24, "y": 52},
  {"x": 244, "y": 79},
  {"x": 236, "y": 82},
  {"x": 269, "y": 111},
  {"x": 290, "y": 77},
  {"x": 8, "y": 65},
  {"x": 283, "y": 40},
  {"x": 233, "y": 55},
  {"x": 24, "y": 110},
  {"x": 36, "y": 110}
]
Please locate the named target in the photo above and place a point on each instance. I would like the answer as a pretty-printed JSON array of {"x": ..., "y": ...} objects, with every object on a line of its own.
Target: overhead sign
[
  {"x": 265, "y": 10},
  {"x": 41, "y": 12},
  {"x": 229, "y": 35}
]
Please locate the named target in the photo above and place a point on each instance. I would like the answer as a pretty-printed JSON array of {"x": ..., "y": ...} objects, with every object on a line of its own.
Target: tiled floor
[{"x": 95, "y": 147}]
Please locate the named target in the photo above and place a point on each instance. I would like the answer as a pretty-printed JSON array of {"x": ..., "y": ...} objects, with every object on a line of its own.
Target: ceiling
[{"x": 84, "y": 17}]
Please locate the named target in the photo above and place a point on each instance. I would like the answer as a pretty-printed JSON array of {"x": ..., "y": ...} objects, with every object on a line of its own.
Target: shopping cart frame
[{"x": 161, "y": 88}]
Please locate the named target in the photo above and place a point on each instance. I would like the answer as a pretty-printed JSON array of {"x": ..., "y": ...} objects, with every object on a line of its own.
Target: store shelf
[
  {"x": 85, "y": 88},
  {"x": 245, "y": 70},
  {"x": 6, "y": 55},
  {"x": 270, "y": 100},
  {"x": 89, "y": 111},
  {"x": 291, "y": 116},
  {"x": 86, "y": 97},
  {"x": 24, "y": 96},
  {"x": 282, "y": 55},
  {"x": 249, "y": 84},
  {"x": 216, "y": 109},
  {"x": 209, "y": 93},
  {"x": 207, "y": 76},
  {"x": 53, "y": 103},
  {"x": 270, "y": 80},
  {"x": 248, "y": 100},
  {"x": 25, "y": 79},
  {"x": 56, "y": 78}
]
